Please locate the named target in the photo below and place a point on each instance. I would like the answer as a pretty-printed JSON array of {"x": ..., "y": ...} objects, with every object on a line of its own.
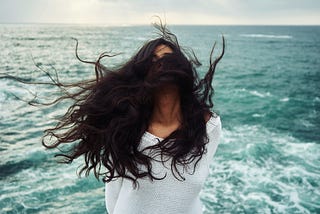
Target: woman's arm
[
  {"x": 112, "y": 190},
  {"x": 214, "y": 131}
]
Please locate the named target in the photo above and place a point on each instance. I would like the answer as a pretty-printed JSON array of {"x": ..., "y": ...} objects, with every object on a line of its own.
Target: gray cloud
[{"x": 180, "y": 11}]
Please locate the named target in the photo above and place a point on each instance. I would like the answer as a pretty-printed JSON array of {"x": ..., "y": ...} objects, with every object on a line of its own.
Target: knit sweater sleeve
[
  {"x": 112, "y": 193},
  {"x": 214, "y": 135}
]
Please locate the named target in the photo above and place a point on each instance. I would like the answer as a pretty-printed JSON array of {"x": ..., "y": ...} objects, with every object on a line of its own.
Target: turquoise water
[{"x": 267, "y": 92}]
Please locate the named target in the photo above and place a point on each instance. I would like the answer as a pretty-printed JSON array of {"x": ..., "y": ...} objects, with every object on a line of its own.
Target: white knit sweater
[{"x": 167, "y": 196}]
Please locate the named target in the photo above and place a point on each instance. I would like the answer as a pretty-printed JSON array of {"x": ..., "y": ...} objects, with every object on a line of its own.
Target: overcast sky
[{"x": 128, "y": 12}]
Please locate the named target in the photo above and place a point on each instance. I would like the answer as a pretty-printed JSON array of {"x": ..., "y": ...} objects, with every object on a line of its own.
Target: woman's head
[
  {"x": 148, "y": 54},
  {"x": 156, "y": 48},
  {"x": 160, "y": 51},
  {"x": 162, "y": 62}
]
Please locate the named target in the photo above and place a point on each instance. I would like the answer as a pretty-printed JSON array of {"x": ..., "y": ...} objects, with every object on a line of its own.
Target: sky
[{"x": 141, "y": 12}]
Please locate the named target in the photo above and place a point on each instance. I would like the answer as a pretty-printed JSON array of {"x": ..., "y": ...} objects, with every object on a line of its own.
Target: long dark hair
[{"x": 111, "y": 113}]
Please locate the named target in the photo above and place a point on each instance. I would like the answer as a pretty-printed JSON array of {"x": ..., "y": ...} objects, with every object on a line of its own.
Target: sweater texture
[{"x": 169, "y": 196}]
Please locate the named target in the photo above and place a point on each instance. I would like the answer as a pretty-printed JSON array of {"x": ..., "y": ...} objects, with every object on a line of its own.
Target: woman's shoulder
[
  {"x": 213, "y": 123},
  {"x": 214, "y": 132}
]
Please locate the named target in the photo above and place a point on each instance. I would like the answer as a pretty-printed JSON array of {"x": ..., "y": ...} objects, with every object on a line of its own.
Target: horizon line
[{"x": 139, "y": 24}]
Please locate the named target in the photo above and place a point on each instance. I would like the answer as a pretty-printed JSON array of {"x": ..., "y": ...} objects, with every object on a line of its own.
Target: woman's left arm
[{"x": 112, "y": 190}]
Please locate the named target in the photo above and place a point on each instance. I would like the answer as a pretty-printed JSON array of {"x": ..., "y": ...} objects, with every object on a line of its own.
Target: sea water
[{"x": 267, "y": 92}]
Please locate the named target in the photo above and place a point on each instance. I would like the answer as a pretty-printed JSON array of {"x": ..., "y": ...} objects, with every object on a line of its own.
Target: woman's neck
[
  {"x": 166, "y": 116},
  {"x": 167, "y": 109}
]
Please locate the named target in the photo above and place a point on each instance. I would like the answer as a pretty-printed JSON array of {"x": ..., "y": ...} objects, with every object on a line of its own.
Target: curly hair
[{"x": 111, "y": 113}]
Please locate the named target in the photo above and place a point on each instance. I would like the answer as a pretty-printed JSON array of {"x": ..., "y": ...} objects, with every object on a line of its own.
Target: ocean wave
[
  {"x": 260, "y": 94},
  {"x": 38, "y": 38},
  {"x": 261, "y": 171},
  {"x": 285, "y": 99},
  {"x": 30, "y": 185},
  {"x": 269, "y": 36},
  {"x": 258, "y": 115},
  {"x": 316, "y": 99},
  {"x": 256, "y": 93}
]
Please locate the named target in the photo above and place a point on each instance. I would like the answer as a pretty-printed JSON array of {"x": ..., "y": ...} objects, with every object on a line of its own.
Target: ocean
[{"x": 267, "y": 93}]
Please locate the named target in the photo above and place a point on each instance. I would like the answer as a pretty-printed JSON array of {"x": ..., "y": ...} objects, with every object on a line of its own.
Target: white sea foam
[
  {"x": 285, "y": 99},
  {"x": 269, "y": 36},
  {"x": 271, "y": 170},
  {"x": 306, "y": 123},
  {"x": 258, "y": 115},
  {"x": 260, "y": 94},
  {"x": 255, "y": 93}
]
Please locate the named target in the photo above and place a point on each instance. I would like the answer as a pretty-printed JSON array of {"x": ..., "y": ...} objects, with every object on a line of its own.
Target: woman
[{"x": 146, "y": 127}]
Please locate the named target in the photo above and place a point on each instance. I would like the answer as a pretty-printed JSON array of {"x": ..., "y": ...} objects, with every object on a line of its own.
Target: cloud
[{"x": 176, "y": 12}]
